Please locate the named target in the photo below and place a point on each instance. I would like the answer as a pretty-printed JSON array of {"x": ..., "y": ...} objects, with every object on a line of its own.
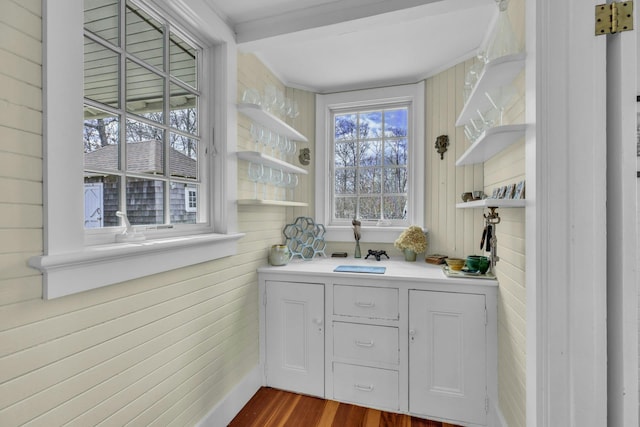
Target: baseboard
[
  {"x": 222, "y": 414},
  {"x": 500, "y": 421}
]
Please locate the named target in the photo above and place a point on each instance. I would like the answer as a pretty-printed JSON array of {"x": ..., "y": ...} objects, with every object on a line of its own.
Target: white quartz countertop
[{"x": 398, "y": 268}]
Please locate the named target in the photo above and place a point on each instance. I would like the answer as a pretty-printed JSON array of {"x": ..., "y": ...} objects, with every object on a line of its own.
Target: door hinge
[
  {"x": 486, "y": 316},
  {"x": 614, "y": 17},
  {"x": 486, "y": 404}
]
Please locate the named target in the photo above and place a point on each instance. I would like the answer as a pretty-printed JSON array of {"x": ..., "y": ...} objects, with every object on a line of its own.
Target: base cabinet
[
  {"x": 447, "y": 355},
  {"x": 295, "y": 337},
  {"x": 427, "y": 349}
]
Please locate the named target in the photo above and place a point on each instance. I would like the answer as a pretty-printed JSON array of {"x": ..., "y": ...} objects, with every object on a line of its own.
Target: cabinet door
[
  {"x": 295, "y": 337},
  {"x": 447, "y": 356}
]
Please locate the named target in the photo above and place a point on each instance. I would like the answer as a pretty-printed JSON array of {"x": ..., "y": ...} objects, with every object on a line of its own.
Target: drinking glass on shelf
[
  {"x": 270, "y": 97},
  {"x": 280, "y": 102},
  {"x": 251, "y": 96},
  {"x": 291, "y": 183},
  {"x": 265, "y": 179},
  {"x": 256, "y": 170},
  {"x": 265, "y": 139},
  {"x": 277, "y": 176}
]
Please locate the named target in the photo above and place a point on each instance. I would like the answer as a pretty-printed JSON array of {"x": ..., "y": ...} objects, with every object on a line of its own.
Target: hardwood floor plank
[
  {"x": 271, "y": 407},
  {"x": 308, "y": 411},
  {"x": 372, "y": 418},
  {"x": 329, "y": 413}
]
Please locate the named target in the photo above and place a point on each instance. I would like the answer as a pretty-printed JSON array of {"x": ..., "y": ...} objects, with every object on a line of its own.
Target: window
[
  {"x": 369, "y": 161},
  {"x": 141, "y": 136},
  {"x": 147, "y": 100},
  {"x": 369, "y": 176}
]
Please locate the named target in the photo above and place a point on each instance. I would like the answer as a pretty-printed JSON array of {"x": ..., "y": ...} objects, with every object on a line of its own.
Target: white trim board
[{"x": 222, "y": 414}]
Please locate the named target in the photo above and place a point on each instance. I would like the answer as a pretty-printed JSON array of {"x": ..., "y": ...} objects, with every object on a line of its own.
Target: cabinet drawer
[
  {"x": 366, "y": 386},
  {"x": 365, "y": 301},
  {"x": 366, "y": 343}
]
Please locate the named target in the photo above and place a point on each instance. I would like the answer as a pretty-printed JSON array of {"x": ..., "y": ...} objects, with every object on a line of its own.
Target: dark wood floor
[{"x": 271, "y": 407}]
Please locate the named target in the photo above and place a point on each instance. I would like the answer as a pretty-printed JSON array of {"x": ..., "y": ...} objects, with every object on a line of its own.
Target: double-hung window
[
  {"x": 142, "y": 135},
  {"x": 137, "y": 120},
  {"x": 370, "y": 161}
]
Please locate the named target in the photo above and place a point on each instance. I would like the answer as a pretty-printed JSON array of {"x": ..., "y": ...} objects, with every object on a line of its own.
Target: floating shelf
[
  {"x": 258, "y": 157},
  {"x": 268, "y": 120},
  {"x": 491, "y": 143},
  {"x": 493, "y": 203},
  {"x": 496, "y": 73},
  {"x": 258, "y": 202}
]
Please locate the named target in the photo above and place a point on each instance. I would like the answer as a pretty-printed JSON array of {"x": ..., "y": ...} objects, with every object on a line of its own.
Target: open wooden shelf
[
  {"x": 272, "y": 162},
  {"x": 258, "y": 202},
  {"x": 497, "y": 73},
  {"x": 491, "y": 143},
  {"x": 493, "y": 203},
  {"x": 268, "y": 120}
]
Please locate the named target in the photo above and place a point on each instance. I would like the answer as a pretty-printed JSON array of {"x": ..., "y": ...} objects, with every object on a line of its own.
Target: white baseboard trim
[
  {"x": 500, "y": 421},
  {"x": 222, "y": 414}
]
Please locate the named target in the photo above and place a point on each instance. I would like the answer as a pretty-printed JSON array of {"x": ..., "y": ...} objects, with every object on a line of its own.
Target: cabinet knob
[
  {"x": 317, "y": 321},
  {"x": 412, "y": 332}
]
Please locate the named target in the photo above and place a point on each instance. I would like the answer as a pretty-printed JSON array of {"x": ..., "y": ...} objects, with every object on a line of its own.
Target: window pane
[
  {"x": 183, "y": 160},
  {"x": 184, "y": 110},
  {"x": 183, "y": 202},
  {"x": 144, "y": 36},
  {"x": 101, "y": 135},
  {"x": 145, "y": 148},
  {"x": 370, "y": 153},
  {"x": 396, "y": 122},
  {"x": 101, "y": 74},
  {"x": 369, "y": 182},
  {"x": 346, "y": 127},
  {"x": 370, "y": 125},
  {"x": 182, "y": 60},
  {"x": 395, "y": 152},
  {"x": 345, "y": 207},
  {"x": 345, "y": 154},
  {"x": 369, "y": 208},
  {"x": 395, "y": 207},
  {"x": 101, "y": 17},
  {"x": 101, "y": 200},
  {"x": 345, "y": 181},
  {"x": 145, "y": 92},
  {"x": 145, "y": 201},
  {"x": 395, "y": 180}
]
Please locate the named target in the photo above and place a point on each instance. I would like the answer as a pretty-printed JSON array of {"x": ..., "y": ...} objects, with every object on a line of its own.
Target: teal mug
[{"x": 477, "y": 263}]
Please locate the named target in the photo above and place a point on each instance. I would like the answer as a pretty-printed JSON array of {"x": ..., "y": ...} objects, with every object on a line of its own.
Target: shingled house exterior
[{"x": 145, "y": 200}]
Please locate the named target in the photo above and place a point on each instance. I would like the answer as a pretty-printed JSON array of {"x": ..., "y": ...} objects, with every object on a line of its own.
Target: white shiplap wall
[{"x": 161, "y": 350}]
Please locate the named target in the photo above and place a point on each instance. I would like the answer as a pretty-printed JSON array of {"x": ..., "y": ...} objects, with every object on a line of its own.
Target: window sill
[{"x": 103, "y": 265}]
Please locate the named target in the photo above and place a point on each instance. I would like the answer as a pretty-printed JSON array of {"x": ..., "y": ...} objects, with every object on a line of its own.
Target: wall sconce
[{"x": 442, "y": 142}]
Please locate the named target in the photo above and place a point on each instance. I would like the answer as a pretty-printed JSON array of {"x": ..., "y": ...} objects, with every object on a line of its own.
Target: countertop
[{"x": 396, "y": 268}]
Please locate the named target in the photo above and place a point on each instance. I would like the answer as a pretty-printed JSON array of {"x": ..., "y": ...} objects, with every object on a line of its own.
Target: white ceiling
[{"x": 328, "y": 45}]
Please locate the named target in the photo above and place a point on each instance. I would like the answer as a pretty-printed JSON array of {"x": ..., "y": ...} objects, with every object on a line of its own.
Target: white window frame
[
  {"x": 72, "y": 262},
  {"x": 187, "y": 199},
  {"x": 369, "y": 98}
]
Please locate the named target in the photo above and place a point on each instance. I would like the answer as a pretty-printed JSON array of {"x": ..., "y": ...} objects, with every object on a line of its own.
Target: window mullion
[
  {"x": 122, "y": 87},
  {"x": 167, "y": 122}
]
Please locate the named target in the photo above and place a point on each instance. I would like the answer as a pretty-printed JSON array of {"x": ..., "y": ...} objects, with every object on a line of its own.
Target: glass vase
[
  {"x": 357, "y": 253},
  {"x": 503, "y": 40}
]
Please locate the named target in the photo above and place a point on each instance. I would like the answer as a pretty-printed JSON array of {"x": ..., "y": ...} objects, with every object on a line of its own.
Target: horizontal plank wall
[{"x": 161, "y": 350}]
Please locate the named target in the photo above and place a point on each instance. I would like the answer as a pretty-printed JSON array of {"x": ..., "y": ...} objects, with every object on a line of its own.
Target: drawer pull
[
  {"x": 364, "y": 343},
  {"x": 367, "y": 388},
  {"x": 365, "y": 304}
]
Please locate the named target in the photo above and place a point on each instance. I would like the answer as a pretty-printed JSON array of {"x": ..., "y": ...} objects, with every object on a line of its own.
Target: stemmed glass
[
  {"x": 291, "y": 183},
  {"x": 256, "y": 171},
  {"x": 270, "y": 97},
  {"x": 265, "y": 179},
  {"x": 277, "y": 177}
]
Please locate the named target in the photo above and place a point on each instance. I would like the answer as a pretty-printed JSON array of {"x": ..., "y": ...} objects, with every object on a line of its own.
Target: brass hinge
[{"x": 614, "y": 18}]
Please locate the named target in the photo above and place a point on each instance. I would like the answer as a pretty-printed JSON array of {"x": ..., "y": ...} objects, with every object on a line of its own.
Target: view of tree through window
[
  {"x": 370, "y": 164},
  {"x": 141, "y": 126}
]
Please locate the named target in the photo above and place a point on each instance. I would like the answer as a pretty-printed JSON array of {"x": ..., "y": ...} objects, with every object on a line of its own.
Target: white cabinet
[
  {"x": 295, "y": 336},
  {"x": 447, "y": 356},
  {"x": 410, "y": 341}
]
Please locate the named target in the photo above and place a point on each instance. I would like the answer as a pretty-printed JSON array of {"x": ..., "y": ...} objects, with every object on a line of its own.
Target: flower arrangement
[{"x": 413, "y": 238}]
